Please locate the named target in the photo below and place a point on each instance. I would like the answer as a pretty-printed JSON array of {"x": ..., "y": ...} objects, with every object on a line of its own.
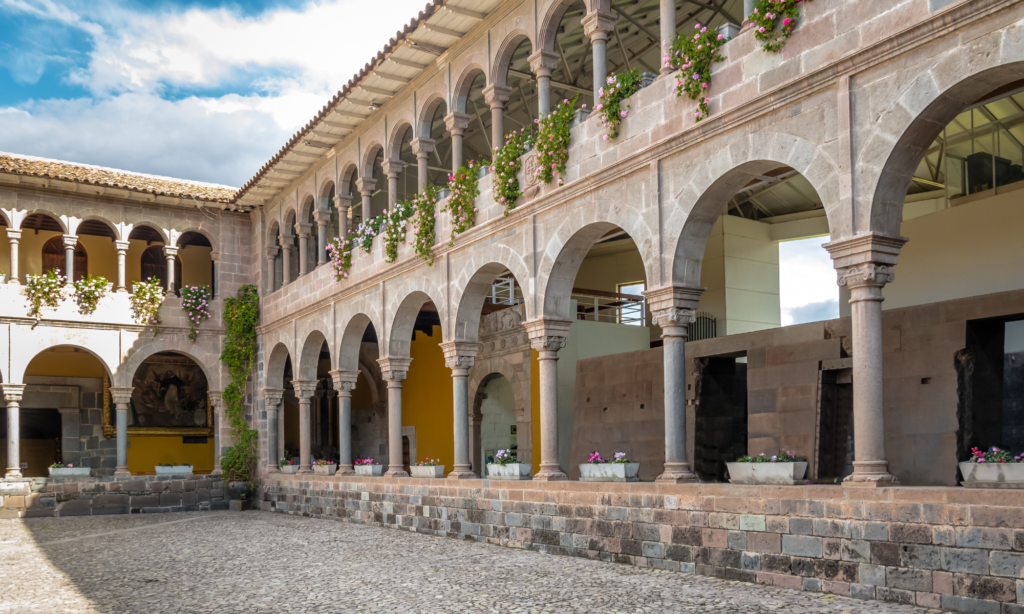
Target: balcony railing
[{"x": 612, "y": 307}]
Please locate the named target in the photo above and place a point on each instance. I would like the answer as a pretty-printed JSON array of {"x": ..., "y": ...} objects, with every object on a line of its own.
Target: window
[{"x": 632, "y": 306}]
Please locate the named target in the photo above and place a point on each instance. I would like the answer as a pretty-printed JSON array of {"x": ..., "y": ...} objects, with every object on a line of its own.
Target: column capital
[
  {"x": 13, "y": 235},
  {"x": 547, "y": 334},
  {"x": 273, "y": 396},
  {"x": 497, "y": 95},
  {"x": 216, "y": 399},
  {"x": 342, "y": 202},
  {"x": 272, "y": 252},
  {"x": 460, "y": 354},
  {"x": 394, "y": 369},
  {"x": 70, "y": 241},
  {"x": 13, "y": 392},
  {"x": 543, "y": 63},
  {"x": 303, "y": 230},
  {"x": 286, "y": 241},
  {"x": 674, "y": 307},
  {"x": 122, "y": 395},
  {"x": 321, "y": 217},
  {"x": 866, "y": 260},
  {"x": 170, "y": 251},
  {"x": 215, "y": 256},
  {"x": 598, "y": 26},
  {"x": 344, "y": 381},
  {"x": 421, "y": 146},
  {"x": 304, "y": 389},
  {"x": 456, "y": 123},
  {"x": 121, "y": 246},
  {"x": 366, "y": 186},
  {"x": 392, "y": 168}
]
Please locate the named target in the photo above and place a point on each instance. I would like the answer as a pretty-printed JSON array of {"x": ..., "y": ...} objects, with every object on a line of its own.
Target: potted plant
[
  {"x": 993, "y": 469},
  {"x": 169, "y": 469},
  {"x": 60, "y": 470},
  {"x": 325, "y": 467},
  {"x": 782, "y": 468},
  {"x": 597, "y": 469},
  {"x": 507, "y": 467},
  {"x": 428, "y": 468},
  {"x": 288, "y": 466},
  {"x": 366, "y": 466}
]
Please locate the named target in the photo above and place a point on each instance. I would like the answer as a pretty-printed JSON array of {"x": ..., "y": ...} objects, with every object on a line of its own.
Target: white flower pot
[
  {"x": 325, "y": 469},
  {"x": 992, "y": 475},
  {"x": 436, "y": 471},
  {"x": 289, "y": 469},
  {"x": 58, "y": 472},
  {"x": 609, "y": 472},
  {"x": 374, "y": 470},
  {"x": 174, "y": 470},
  {"x": 511, "y": 471},
  {"x": 767, "y": 473}
]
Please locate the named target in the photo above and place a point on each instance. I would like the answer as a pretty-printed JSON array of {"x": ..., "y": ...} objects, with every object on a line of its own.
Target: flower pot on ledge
[
  {"x": 63, "y": 472},
  {"x": 325, "y": 469},
  {"x": 435, "y": 471},
  {"x": 511, "y": 471},
  {"x": 767, "y": 473},
  {"x": 174, "y": 470},
  {"x": 370, "y": 470},
  {"x": 290, "y": 469},
  {"x": 992, "y": 475},
  {"x": 609, "y": 472}
]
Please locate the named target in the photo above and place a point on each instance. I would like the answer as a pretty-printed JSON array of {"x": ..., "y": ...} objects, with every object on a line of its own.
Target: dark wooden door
[
  {"x": 405, "y": 453},
  {"x": 154, "y": 265},
  {"x": 54, "y": 257}
]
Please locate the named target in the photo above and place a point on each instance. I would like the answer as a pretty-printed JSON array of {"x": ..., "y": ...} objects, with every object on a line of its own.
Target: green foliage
[
  {"x": 147, "y": 296},
  {"x": 46, "y": 290},
  {"x": 424, "y": 217},
  {"x": 195, "y": 300},
  {"x": 553, "y": 141},
  {"x": 394, "y": 228},
  {"x": 461, "y": 203},
  {"x": 241, "y": 317},
  {"x": 618, "y": 88},
  {"x": 694, "y": 57},
  {"x": 773, "y": 22},
  {"x": 507, "y": 162},
  {"x": 340, "y": 251}
]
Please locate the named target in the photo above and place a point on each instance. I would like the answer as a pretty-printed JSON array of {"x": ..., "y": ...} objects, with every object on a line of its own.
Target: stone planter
[
  {"x": 174, "y": 470},
  {"x": 63, "y": 472},
  {"x": 511, "y": 471},
  {"x": 325, "y": 469},
  {"x": 239, "y": 491},
  {"x": 767, "y": 473},
  {"x": 609, "y": 472},
  {"x": 289, "y": 469},
  {"x": 436, "y": 471},
  {"x": 372, "y": 470},
  {"x": 992, "y": 475}
]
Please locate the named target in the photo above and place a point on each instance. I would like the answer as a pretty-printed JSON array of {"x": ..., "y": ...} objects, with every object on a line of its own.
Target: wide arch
[
  {"x": 503, "y": 58},
  {"x": 400, "y": 333},
  {"x": 152, "y": 226},
  {"x": 306, "y": 205},
  {"x": 549, "y": 22},
  {"x": 60, "y": 220},
  {"x": 309, "y": 356},
  {"x": 471, "y": 302},
  {"x": 214, "y": 246},
  {"x": 902, "y": 135},
  {"x": 279, "y": 357},
  {"x": 206, "y": 359},
  {"x": 97, "y": 217},
  {"x": 351, "y": 341},
  {"x": 20, "y": 377}
]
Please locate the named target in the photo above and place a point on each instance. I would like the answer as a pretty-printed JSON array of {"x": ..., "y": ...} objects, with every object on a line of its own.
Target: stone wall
[{"x": 952, "y": 548}]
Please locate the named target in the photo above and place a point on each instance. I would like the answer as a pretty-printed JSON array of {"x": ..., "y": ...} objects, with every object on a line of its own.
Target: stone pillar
[
  {"x": 70, "y": 435},
  {"x": 422, "y": 148},
  {"x": 122, "y": 252},
  {"x": 392, "y": 169},
  {"x": 70, "y": 243},
  {"x": 287, "y": 242},
  {"x": 122, "y": 397},
  {"x": 459, "y": 356},
  {"x": 864, "y": 265},
  {"x": 668, "y": 29},
  {"x": 170, "y": 251},
  {"x": 322, "y": 217},
  {"x": 456, "y": 124},
  {"x": 345, "y": 383},
  {"x": 12, "y": 396},
  {"x": 272, "y": 397},
  {"x": 217, "y": 401},
  {"x": 674, "y": 309},
  {"x": 366, "y": 187},
  {"x": 304, "y": 231},
  {"x": 271, "y": 257},
  {"x": 394, "y": 371},
  {"x": 599, "y": 26},
  {"x": 748, "y": 10},
  {"x": 496, "y": 96},
  {"x": 304, "y": 391},
  {"x": 547, "y": 336},
  {"x": 215, "y": 257},
  {"x": 14, "y": 236},
  {"x": 343, "y": 203},
  {"x": 543, "y": 63}
]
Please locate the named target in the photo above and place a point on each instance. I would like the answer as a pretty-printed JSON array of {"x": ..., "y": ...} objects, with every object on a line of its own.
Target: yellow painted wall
[
  {"x": 101, "y": 251},
  {"x": 535, "y": 395},
  {"x": 30, "y": 251},
  {"x": 64, "y": 362},
  {"x": 195, "y": 266},
  {"x": 145, "y": 453},
  {"x": 427, "y": 400},
  {"x": 5, "y": 251}
]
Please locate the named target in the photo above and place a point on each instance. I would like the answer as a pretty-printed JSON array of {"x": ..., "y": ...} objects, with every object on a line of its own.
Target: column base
[
  {"x": 122, "y": 472},
  {"x": 550, "y": 473},
  {"x": 677, "y": 473},
  {"x": 305, "y": 470},
  {"x": 871, "y": 474},
  {"x": 13, "y": 473},
  {"x": 345, "y": 470},
  {"x": 462, "y": 473},
  {"x": 121, "y": 290},
  {"x": 217, "y": 471},
  {"x": 397, "y": 473},
  {"x": 15, "y": 281}
]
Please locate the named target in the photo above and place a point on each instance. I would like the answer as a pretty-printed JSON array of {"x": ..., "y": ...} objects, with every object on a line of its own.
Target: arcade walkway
[{"x": 258, "y": 562}]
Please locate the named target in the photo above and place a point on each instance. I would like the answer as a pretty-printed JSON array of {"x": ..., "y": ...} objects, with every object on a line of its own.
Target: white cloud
[{"x": 807, "y": 282}]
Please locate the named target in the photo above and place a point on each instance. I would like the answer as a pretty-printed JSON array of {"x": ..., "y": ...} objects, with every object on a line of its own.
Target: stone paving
[{"x": 261, "y": 562}]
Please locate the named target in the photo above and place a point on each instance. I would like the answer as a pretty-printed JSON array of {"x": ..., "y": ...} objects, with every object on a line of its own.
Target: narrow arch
[
  {"x": 398, "y": 135},
  {"x": 279, "y": 356},
  {"x": 309, "y": 356},
  {"x": 503, "y": 59},
  {"x": 428, "y": 113},
  {"x": 476, "y": 292},
  {"x": 351, "y": 341},
  {"x": 549, "y": 23},
  {"x": 464, "y": 84},
  {"x": 404, "y": 323},
  {"x": 55, "y": 257},
  {"x": 305, "y": 210},
  {"x": 370, "y": 154}
]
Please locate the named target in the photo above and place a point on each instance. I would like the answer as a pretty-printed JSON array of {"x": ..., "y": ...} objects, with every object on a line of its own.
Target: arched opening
[
  {"x": 170, "y": 417},
  {"x": 379, "y": 197},
  {"x": 153, "y": 266},
  {"x": 476, "y": 140},
  {"x": 521, "y": 108},
  {"x": 495, "y": 404},
  {"x": 275, "y": 265},
  {"x": 574, "y": 74},
  {"x": 196, "y": 261},
  {"x": 41, "y": 248},
  {"x": 146, "y": 259},
  {"x": 439, "y": 164},
  {"x": 359, "y": 353},
  {"x": 407, "y": 181},
  {"x": 288, "y": 242},
  {"x": 334, "y": 220},
  {"x": 55, "y": 258},
  {"x": 307, "y": 226}
]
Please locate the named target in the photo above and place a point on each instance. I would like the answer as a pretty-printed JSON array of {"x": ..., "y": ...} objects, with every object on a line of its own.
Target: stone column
[
  {"x": 392, "y": 169},
  {"x": 14, "y": 236},
  {"x": 864, "y": 265},
  {"x": 70, "y": 243},
  {"x": 674, "y": 309},
  {"x": 271, "y": 257},
  {"x": 748, "y": 10},
  {"x": 668, "y": 29},
  {"x": 496, "y": 96},
  {"x": 599, "y": 26},
  {"x": 345, "y": 383},
  {"x": 122, "y": 397},
  {"x": 543, "y": 63},
  {"x": 170, "y": 251},
  {"x": 322, "y": 217},
  {"x": 217, "y": 401},
  {"x": 122, "y": 252},
  {"x": 366, "y": 187},
  {"x": 287, "y": 242},
  {"x": 459, "y": 356},
  {"x": 275, "y": 437},
  {"x": 12, "y": 396},
  {"x": 394, "y": 371},
  {"x": 215, "y": 258},
  {"x": 304, "y": 231},
  {"x": 304, "y": 391},
  {"x": 547, "y": 336},
  {"x": 422, "y": 148},
  {"x": 456, "y": 123}
]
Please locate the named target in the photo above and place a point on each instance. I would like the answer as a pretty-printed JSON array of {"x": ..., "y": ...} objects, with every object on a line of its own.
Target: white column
[
  {"x": 304, "y": 231},
  {"x": 322, "y": 217},
  {"x": 459, "y": 357},
  {"x": 170, "y": 252},
  {"x": 422, "y": 148},
  {"x": 287, "y": 243},
  {"x": 122, "y": 252},
  {"x": 122, "y": 397},
  {"x": 865, "y": 264},
  {"x": 14, "y": 236},
  {"x": 668, "y": 28},
  {"x": 456, "y": 123},
  {"x": 496, "y": 96},
  {"x": 304, "y": 391},
  {"x": 366, "y": 187},
  {"x": 345, "y": 383},
  {"x": 599, "y": 26},
  {"x": 547, "y": 336},
  {"x": 543, "y": 63},
  {"x": 392, "y": 169},
  {"x": 272, "y": 398},
  {"x": 12, "y": 397},
  {"x": 70, "y": 243},
  {"x": 394, "y": 371},
  {"x": 217, "y": 400},
  {"x": 343, "y": 203},
  {"x": 271, "y": 258}
]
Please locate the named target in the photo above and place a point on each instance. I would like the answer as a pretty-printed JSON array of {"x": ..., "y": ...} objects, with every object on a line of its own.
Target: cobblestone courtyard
[{"x": 261, "y": 562}]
